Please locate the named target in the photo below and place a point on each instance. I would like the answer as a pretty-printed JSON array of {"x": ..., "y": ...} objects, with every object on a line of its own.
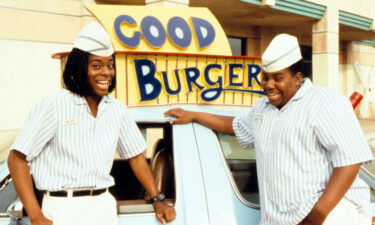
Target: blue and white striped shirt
[
  {"x": 297, "y": 148},
  {"x": 69, "y": 148}
]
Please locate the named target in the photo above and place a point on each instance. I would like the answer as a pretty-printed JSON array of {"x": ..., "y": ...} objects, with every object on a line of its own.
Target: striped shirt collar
[
  {"x": 306, "y": 85},
  {"x": 82, "y": 101}
]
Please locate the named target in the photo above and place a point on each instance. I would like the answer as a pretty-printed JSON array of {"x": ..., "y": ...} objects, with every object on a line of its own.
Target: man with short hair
[{"x": 309, "y": 145}]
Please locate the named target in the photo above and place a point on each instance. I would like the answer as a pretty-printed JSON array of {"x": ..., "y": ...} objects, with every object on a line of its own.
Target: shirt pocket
[{"x": 77, "y": 133}]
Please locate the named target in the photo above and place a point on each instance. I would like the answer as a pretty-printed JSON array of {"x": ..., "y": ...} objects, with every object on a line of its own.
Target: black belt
[{"x": 77, "y": 193}]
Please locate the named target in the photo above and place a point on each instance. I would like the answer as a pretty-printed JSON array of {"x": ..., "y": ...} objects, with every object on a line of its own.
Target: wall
[
  {"x": 364, "y": 8},
  {"x": 28, "y": 73},
  {"x": 31, "y": 31}
]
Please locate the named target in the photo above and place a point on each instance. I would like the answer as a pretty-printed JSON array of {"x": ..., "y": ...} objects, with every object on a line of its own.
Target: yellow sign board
[{"x": 162, "y": 79}]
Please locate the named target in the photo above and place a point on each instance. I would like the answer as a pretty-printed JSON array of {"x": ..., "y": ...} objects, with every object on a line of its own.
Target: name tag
[
  {"x": 258, "y": 116},
  {"x": 69, "y": 122}
]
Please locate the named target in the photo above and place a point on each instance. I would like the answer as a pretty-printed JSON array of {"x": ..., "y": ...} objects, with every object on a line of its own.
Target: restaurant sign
[{"x": 167, "y": 55}]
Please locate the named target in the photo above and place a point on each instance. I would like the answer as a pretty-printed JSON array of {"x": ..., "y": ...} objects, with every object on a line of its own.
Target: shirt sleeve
[
  {"x": 243, "y": 129},
  {"x": 339, "y": 132},
  {"x": 131, "y": 141},
  {"x": 38, "y": 129}
]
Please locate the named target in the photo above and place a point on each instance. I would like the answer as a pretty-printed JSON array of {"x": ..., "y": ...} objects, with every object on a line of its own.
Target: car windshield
[{"x": 368, "y": 169}]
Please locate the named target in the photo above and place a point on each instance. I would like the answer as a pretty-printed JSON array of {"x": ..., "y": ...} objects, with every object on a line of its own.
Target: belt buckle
[{"x": 91, "y": 192}]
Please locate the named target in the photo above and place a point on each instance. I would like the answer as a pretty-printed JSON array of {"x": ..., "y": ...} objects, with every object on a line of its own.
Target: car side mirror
[{"x": 14, "y": 210}]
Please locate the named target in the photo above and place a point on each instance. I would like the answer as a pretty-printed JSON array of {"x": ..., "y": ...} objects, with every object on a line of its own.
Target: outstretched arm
[
  {"x": 218, "y": 123},
  {"x": 20, "y": 172},
  {"x": 141, "y": 169},
  {"x": 338, "y": 184}
]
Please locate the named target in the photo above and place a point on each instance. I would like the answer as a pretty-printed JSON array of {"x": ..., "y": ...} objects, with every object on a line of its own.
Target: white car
[{"x": 207, "y": 176}]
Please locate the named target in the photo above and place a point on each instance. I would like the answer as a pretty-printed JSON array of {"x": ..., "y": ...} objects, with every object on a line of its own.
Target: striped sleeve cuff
[{"x": 243, "y": 133}]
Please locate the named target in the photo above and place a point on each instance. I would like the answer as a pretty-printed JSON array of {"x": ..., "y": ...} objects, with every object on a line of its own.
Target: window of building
[
  {"x": 307, "y": 60},
  {"x": 237, "y": 45},
  {"x": 242, "y": 165}
]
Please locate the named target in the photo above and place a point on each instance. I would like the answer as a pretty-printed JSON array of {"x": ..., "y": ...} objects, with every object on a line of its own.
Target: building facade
[{"x": 337, "y": 38}]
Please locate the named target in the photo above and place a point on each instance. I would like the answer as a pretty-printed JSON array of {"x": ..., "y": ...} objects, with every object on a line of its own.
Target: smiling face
[
  {"x": 280, "y": 86},
  {"x": 100, "y": 72}
]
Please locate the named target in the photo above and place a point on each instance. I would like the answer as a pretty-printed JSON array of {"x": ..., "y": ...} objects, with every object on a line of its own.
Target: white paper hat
[
  {"x": 94, "y": 39},
  {"x": 282, "y": 52}
]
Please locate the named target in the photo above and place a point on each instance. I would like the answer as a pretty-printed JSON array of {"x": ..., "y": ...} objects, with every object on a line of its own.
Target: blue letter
[
  {"x": 192, "y": 75},
  {"x": 179, "y": 32},
  {"x": 232, "y": 75},
  {"x": 130, "y": 42},
  {"x": 204, "y": 32},
  {"x": 207, "y": 71},
  {"x": 153, "y": 31},
  {"x": 166, "y": 83},
  {"x": 253, "y": 71},
  {"x": 211, "y": 94},
  {"x": 149, "y": 86}
]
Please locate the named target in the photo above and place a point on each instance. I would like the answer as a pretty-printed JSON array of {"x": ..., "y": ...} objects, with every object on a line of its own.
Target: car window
[
  {"x": 152, "y": 135},
  {"x": 242, "y": 165},
  {"x": 130, "y": 195}
]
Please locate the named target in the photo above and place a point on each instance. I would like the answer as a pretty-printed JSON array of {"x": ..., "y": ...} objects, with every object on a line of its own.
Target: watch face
[{"x": 159, "y": 197}]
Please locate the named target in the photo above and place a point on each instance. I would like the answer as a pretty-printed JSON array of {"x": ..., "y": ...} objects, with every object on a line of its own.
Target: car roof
[{"x": 156, "y": 113}]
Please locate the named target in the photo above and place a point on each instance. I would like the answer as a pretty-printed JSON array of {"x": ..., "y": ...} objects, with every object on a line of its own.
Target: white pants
[
  {"x": 87, "y": 210},
  {"x": 346, "y": 213}
]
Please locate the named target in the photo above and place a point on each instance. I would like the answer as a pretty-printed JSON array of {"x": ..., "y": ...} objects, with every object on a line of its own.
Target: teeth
[{"x": 103, "y": 82}]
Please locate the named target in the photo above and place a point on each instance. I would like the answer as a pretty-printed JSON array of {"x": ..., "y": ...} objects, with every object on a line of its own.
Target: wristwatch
[{"x": 158, "y": 198}]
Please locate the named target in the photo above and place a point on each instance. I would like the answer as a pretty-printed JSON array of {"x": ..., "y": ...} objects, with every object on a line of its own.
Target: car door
[
  {"x": 229, "y": 177},
  {"x": 190, "y": 199}
]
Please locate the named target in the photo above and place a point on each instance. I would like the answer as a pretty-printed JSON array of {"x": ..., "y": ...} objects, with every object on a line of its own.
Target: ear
[{"x": 298, "y": 78}]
